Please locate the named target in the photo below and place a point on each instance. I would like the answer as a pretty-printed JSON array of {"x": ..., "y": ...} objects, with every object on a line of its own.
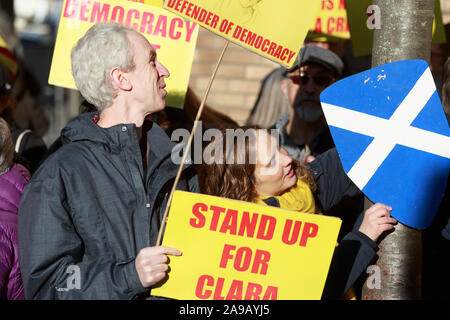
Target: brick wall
[{"x": 238, "y": 79}]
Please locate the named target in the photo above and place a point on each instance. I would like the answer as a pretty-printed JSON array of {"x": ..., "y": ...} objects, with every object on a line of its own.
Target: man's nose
[{"x": 162, "y": 71}]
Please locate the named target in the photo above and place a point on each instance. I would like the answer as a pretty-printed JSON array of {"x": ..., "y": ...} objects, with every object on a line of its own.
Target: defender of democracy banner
[
  {"x": 272, "y": 28},
  {"x": 173, "y": 38},
  {"x": 238, "y": 250}
]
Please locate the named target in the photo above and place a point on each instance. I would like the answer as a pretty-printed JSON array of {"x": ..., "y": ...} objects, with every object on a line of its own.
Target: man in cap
[
  {"x": 304, "y": 133},
  {"x": 303, "y": 130}
]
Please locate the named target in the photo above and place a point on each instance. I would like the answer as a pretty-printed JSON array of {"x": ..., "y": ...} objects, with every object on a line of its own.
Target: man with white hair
[{"x": 89, "y": 220}]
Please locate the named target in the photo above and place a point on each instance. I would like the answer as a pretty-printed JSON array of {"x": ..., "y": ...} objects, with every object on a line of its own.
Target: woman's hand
[{"x": 377, "y": 219}]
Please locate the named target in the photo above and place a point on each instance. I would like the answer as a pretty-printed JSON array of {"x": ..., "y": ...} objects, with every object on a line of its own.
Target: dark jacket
[
  {"x": 12, "y": 185},
  {"x": 446, "y": 231},
  {"x": 355, "y": 251},
  {"x": 91, "y": 207},
  {"x": 336, "y": 194},
  {"x": 351, "y": 258}
]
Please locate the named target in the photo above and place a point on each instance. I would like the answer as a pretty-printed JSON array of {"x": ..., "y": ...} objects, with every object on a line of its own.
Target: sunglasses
[{"x": 318, "y": 80}]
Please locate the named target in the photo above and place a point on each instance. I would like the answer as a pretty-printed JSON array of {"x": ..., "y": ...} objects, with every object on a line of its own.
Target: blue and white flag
[{"x": 393, "y": 138}]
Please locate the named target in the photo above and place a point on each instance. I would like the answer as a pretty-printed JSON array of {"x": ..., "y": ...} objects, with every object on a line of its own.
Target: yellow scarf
[{"x": 297, "y": 198}]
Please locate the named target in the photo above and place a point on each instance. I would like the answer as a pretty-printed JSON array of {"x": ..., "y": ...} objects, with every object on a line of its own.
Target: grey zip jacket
[{"x": 91, "y": 207}]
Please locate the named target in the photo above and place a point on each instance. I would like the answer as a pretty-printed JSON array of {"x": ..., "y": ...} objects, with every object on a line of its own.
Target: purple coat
[{"x": 12, "y": 185}]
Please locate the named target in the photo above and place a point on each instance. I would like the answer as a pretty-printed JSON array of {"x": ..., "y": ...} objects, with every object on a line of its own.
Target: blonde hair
[{"x": 6, "y": 147}]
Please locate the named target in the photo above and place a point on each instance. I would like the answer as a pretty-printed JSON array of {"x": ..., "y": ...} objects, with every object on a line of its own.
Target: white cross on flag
[{"x": 393, "y": 138}]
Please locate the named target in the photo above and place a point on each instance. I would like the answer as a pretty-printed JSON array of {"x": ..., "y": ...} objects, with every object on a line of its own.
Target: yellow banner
[
  {"x": 173, "y": 38},
  {"x": 156, "y": 3},
  {"x": 8, "y": 59},
  {"x": 272, "y": 28},
  {"x": 362, "y": 36},
  {"x": 438, "y": 24},
  {"x": 331, "y": 20},
  {"x": 240, "y": 250},
  {"x": 2, "y": 43}
]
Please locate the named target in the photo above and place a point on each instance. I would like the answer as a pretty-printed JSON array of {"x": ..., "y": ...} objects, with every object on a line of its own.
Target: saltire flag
[{"x": 393, "y": 138}]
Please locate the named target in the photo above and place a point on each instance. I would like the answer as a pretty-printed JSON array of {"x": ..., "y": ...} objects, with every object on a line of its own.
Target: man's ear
[{"x": 120, "y": 80}]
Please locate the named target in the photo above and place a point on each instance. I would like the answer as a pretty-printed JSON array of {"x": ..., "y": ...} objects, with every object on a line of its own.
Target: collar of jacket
[{"x": 84, "y": 128}]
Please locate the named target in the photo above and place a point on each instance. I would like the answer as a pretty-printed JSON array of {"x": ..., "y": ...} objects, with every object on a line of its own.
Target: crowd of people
[{"x": 96, "y": 197}]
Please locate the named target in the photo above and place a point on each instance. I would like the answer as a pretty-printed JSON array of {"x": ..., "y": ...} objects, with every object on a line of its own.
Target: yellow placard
[
  {"x": 2, "y": 43},
  {"x": 362, "y": 37},
  {"x": 331, "y": 20},
  {"x": 438, "y": 24},
  {"x": 245, "y": 251},
  {"x": 173, "y": 38},
  {"x": 156, "y": 3},
  {"x": 272, "y": 28}
]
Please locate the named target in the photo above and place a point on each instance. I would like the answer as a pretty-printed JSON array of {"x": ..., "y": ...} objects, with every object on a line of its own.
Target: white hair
[
  {"x": 6, "y": 147},
  {"x": 103, "y": 47}
]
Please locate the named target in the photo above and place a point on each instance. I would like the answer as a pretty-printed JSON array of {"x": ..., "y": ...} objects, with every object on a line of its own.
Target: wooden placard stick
[{"x": 180, "y": 169}]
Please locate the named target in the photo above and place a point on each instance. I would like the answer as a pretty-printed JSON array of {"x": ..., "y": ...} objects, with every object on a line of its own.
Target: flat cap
[{"x": 326, "y": 58}]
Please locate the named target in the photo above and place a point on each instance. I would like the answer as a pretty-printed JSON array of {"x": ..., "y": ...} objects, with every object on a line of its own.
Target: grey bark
[{"x": 405, "y": 33}]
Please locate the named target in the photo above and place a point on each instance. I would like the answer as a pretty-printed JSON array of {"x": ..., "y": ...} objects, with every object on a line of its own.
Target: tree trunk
[{"x": 405, "y": 33}]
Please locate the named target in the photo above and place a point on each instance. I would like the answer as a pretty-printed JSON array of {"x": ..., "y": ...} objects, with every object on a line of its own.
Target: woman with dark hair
[{"x": 249, "y": 166}]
